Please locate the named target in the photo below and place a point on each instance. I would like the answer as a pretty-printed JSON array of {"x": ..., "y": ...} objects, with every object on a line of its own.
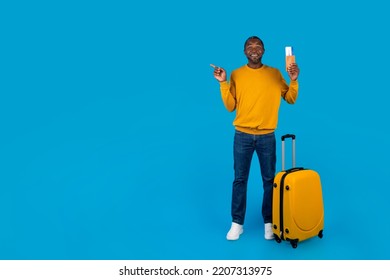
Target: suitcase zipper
[
  {"x": 281, "y": 206},
  {"x": 281, "y": 198}
]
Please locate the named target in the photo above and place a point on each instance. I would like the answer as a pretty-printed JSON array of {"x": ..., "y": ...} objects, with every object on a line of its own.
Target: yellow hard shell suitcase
[{"x": 297, "y": 204}]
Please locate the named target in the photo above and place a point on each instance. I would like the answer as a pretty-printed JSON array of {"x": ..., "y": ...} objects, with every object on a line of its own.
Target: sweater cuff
[{"x": 224, "y": 85}]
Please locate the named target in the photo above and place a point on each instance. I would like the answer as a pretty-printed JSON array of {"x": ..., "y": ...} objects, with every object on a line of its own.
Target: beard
[{"x": 254, "y": 60}]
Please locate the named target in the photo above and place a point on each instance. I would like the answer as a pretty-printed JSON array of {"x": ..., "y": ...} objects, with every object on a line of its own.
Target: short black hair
[{"x": 253, "y": 37}]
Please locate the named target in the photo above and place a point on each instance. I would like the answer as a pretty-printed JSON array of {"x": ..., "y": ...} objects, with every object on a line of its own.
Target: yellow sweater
[{"x": 255, "y": 94}]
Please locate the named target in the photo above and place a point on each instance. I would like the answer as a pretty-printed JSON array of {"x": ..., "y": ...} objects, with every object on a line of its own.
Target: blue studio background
[{"x": 115, "y": 143}]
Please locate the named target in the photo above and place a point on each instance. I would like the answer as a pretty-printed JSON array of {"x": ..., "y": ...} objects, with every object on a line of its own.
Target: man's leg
[
  {"x": 243, "y": 152},
  {"x": 266, "y": 151}
]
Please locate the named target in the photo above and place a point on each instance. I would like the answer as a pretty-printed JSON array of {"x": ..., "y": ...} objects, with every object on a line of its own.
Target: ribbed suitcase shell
[{"x": 297, "y": 205}]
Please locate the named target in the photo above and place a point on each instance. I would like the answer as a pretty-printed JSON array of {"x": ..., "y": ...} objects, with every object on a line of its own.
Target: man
[{"x": 255, "y": 92}]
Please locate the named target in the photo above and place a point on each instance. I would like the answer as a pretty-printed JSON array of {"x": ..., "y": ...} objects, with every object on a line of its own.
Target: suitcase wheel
[
  {"x": 320, "y": 234},
  {"x": 277, "y": 238},
  {"x": 294, "y": 243}
]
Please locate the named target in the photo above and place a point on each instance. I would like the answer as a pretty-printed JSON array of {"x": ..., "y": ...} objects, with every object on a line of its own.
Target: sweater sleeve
[
  {"x": 290, "y": 93},
  {"x": 228, "y": 95}
]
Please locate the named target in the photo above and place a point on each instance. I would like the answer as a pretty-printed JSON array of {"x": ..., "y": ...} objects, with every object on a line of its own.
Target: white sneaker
[
  {"x": 235, "y": 231},
  {"x": 268, "y": 233}
]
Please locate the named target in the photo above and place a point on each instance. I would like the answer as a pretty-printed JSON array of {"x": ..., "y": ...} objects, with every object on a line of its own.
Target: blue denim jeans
[{"x": 244, "y": 147}]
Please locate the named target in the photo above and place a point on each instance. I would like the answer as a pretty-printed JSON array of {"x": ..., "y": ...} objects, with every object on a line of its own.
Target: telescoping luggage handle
[{"x": 292, "y": 136}]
